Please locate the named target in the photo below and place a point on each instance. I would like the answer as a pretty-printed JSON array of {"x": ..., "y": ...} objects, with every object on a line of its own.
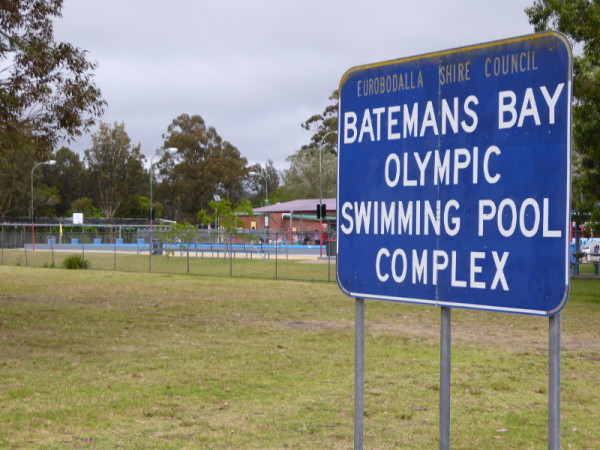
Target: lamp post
[
  {"x": 264, "y": 176},
  {"x": 50, "y": 162},
  {"x": 217, "y": 199},
  {"x": 171, "y": 150},
  {"x": 321, "y": 190}
]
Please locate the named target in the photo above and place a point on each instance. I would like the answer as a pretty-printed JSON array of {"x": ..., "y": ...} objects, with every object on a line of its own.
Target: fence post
[
  {"x": 329, "y": 251},
  {"x": 188, "y": 253},
  {"x": 276, "y": 254},
  {"x": 231, "y": 253},
  {"x": 151, "y": 249},
  {"x": 25, "y": 248}
]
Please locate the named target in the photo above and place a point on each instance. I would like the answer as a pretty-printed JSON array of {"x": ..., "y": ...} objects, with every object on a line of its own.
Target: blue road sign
[{"x": 454, "y": 177}]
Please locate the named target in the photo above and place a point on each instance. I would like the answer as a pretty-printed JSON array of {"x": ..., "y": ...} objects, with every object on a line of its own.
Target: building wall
[{"x": 279, "y": 224}]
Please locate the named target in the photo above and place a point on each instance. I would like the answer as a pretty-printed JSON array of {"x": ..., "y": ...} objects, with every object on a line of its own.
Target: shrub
[{"x": 75, "y": 262}]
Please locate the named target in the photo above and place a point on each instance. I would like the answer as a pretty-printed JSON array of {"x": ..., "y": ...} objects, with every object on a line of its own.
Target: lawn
[
  {"x": 212, "y": 264},
  {"x": 105, "y": 359}
]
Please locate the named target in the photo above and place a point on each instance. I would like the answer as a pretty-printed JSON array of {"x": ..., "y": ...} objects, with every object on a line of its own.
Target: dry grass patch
[{"x": 98, "y": 359}]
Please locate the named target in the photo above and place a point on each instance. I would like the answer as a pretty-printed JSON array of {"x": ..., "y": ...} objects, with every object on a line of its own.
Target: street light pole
[
  {"x": 171, "y": 150},
  {"x": 50, "y": 162},
  {"x": 321, "y": 190},
  {"x": 264, "y": 176}
]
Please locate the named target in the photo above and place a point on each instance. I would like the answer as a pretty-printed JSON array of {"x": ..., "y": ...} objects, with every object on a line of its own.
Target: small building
[{"x": 296, "y": 219}]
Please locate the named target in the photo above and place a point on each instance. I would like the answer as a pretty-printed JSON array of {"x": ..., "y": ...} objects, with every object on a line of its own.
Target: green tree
[
  {"x": 139, "y": 206},
  {"x": 204, "y": 165},
  {"x": 47, "y": 90},
  {"x": 69, "y": 176},
  {"x": 225, "y": 214},
  {"x": 116, "y": 169},
  {"x": 266, "y": 180},
  {"x": 279, "y": 195},
  {"x": 306, "y": 178},
  {"x": 324, "y": 123},
  {"x": 580, "y": 21},
  {"x": 203, "y": 218},
  {"x": 313, "y": 168},
  {"x": 17, "y": 158},
  {"x": 45, "y": 197},
  {"x": 178, "y": 234},
  {"x": 86, "y": 206}
]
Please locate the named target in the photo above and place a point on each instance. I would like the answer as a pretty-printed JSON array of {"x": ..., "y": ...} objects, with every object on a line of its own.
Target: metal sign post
[
  {"x": 554, "y": 382},
  {"x": 359, "y": 372},
  {"x": 454, "y": 174},
  {"x": 445, "y": 371}
]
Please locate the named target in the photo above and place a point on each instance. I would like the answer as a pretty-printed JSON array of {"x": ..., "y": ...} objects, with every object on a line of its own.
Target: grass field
[
  {"x": 106, "y": 359},
  {"x": 246, "y": 266}
]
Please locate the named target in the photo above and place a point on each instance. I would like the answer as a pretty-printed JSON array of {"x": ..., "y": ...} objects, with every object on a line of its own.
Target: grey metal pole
[
  {"x": 276, "y": 257},
  {"x": 44, "y": 163},
  {"x": 359, "y": 373},
  {"x": 171, "y": 150},
  {"x": 321, "y": 189},
  {"x": 151, "y": 213},
  {"x": 554, "y": 382},
  {"x": 188, "y": 253},
  {"x": 150, "y": 251},
  {"x": 445, "y": 369},
  {"x": 575, "y": 265},
  {"x": 329, "y": 257}
]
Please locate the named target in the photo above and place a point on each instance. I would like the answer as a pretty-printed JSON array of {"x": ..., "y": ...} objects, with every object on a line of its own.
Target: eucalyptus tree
[
  {"x": 47, "y": 94},
  {"x": 115, "y": 168},
  {"x": 313, "y": 167},
  {"x": 322, "y": 125},
  {"x": 579, "y": 20},
  {"x": 47, "y": 90},
  {"x": 262, "y": 182},
  {"x": 307, "y": 176},
  {"x": 17, "y": 158},
  {"x": 205, "y": 165},
  {"x": 69, "y": 176}
]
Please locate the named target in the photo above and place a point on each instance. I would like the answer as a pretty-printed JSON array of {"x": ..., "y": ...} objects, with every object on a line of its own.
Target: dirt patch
[
  {"x": 514, "y": 338},
  {"x": 316, "y": 325}
]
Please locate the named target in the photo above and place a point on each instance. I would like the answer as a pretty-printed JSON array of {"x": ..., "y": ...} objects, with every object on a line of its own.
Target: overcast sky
[{"x": 257, "y": 69}]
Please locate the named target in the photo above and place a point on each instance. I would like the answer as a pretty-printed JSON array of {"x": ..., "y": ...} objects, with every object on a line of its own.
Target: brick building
[{"x": 296, "y": 219}]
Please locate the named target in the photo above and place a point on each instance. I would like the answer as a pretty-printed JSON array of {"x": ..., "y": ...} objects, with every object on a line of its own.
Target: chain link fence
[{"x": 263, "y": 254}]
